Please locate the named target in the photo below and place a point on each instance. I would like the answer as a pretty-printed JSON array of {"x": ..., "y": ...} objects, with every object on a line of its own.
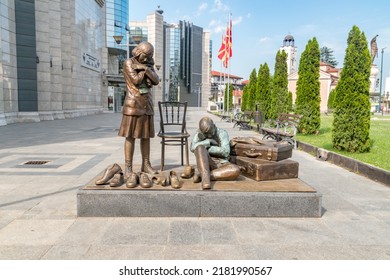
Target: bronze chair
[{"x": 173, "y": 130}]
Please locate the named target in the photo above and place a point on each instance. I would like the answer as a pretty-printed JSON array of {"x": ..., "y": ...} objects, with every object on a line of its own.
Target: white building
[{"x": 291, "y": 51}]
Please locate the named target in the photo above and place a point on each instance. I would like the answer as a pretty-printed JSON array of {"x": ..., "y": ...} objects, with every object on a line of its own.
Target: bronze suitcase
[
  {"x": 260, "y": 149},
  {"x": 264, "y": 170}
]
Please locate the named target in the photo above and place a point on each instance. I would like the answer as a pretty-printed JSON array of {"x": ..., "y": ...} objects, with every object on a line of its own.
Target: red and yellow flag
[
  {"x": 222, "y": 49},
  {"x": 225, "y": 52}
]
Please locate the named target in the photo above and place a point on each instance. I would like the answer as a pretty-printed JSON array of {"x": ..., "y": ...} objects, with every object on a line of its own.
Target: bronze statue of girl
[{"x": 137, "y": 119}]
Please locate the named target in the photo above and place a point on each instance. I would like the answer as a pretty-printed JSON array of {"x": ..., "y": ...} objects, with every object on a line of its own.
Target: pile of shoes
[
  {"x": 113, "y": 176},
  {"x": 172, "y": 180},
  {"x": 189, "y": 172},
  {"x": 141, "y": 179}
]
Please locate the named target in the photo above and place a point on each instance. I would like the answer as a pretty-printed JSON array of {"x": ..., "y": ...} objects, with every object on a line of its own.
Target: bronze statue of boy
[{"x": 212, "y": 150}]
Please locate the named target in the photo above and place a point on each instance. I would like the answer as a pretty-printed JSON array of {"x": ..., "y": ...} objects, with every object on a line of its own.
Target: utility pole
[{"x": 380, "y": 87}]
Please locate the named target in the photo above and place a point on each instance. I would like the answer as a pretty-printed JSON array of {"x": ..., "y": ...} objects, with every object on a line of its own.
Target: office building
[
  {"x": 51, "y": 59},
  {"x": 182, "y": 58}
]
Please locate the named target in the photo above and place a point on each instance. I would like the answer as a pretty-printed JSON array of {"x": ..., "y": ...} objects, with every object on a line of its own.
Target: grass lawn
[{"x": 379, "y": 154}]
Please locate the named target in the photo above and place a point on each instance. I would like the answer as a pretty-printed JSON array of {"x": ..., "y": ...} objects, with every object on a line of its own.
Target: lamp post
[
  {"x": 380, "y": 88},
  {"x": 137, "y": 39},
  {"x": 118, "y": 40}
]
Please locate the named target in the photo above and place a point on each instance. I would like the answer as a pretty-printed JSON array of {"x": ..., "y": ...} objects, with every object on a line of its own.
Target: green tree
[
  {"x": 331, "y": 98},
  {"x": 230, "y": 94},
  {"x": 244, "y": 100},
  {"x": 351, "y": 117},
  {"x": 252, "y": 90},
  {"x": 290, "y": 102},
  {"x": 327, "y": 56},
  {"x": 279, "y": 95},
  {"x": 308, "y": 98},
  {"x": 264, "y": 90}
]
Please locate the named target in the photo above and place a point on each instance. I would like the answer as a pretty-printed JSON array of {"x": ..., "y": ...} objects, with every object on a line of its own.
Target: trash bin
[{"x": 257, "y": 119}]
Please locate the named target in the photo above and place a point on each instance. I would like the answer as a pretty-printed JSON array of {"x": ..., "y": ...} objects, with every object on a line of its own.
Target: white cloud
[
  {"x": 264, "y": 39},
  {"x": 308, "y": 29},
  {"x": 237, "y": 21},
  {"x": 216, "y": 26},
  {"x": 202, "y": 7},
  {"x": 219, "y": 7},
  {"x": 213, "y": 22},
  {"x": 219, "y": 29}
]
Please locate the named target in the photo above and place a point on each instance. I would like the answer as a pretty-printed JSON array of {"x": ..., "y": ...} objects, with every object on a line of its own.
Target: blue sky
[{"x": 259, "y": 27}]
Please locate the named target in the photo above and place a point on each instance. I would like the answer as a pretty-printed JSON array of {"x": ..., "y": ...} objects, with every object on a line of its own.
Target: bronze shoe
[
  {"x": 132, "y": 181},
  {"x": 175, "y": 182},
  {"x": 108, "y": 174},
  {"x": 188, "y": 172},
  {"x": 160, "y": 179},
  {"x": 197, "y": 178},
  {"x": 117, "y": 180},
  {"x": 144, "y": 180}
]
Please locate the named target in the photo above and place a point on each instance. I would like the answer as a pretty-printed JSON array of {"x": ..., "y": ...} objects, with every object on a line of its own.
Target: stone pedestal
[
  {"x": 241, "y": 198},
  {"x": 373, "y": 77}
]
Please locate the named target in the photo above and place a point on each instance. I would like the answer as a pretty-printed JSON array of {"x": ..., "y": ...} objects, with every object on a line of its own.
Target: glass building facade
[
  {"x": 172, "y": 59},
  {"x": 182, "y": 75},
  {"x": 117, "y": 18}
]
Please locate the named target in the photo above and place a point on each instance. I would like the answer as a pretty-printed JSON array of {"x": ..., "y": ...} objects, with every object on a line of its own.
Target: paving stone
[
  {"x": 251, "y": 231},
  {"x": 219, "y": 231},
  {"x": 23, "y": 252},
  {"x": 204, "y": 252},
  {"x": 184, "y": 232},
  {"x": 85, "y": 231},
  {"x": 66, "y": 252},
  {"x": 125, "y": 252},
  {"x": 136, "y": 232},
  {"x": 33, "y": 232}
]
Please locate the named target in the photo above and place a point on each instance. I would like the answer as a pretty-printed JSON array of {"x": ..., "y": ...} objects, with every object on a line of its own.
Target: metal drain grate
[{"x": 36, "y": 162}]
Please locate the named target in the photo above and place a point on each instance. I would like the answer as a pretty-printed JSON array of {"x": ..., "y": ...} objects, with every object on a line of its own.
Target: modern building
[
  {"x": 52, "y": 55},
  {"x": 182, "y": 58},
  {"x": 59, "y": 59},
  {"x": 117, "y": 19}
]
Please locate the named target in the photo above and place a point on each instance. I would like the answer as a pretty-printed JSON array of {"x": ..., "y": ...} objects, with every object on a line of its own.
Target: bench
[
  {"x": 226, "y": 117},
  {"x": 243, "y": 120},
  {"x": 286, "y": 129}
]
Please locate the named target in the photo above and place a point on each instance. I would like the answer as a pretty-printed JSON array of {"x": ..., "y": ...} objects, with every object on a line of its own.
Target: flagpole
[
  {"x": 228, "y": 53},
  {"x": 220, "y": 83}
]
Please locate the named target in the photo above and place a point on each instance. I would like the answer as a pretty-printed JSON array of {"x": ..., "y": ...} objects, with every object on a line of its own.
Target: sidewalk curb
[{"x": 356, "y": 166}]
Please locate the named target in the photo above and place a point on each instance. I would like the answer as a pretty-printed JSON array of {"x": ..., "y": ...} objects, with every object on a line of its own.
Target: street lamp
[
  {"x": 136, "y": 38},
  {"x": 380, "y": 88},
  {"x": 118, "y": 40}
]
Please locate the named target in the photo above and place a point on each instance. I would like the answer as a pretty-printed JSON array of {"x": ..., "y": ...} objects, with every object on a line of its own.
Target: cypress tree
[
  {"x": 351, "y": 117},
  {"x": 252, "y": 90},
  {"x": 244, "y": 100},
  {"x": 308, "y": 98},
  {"x": 264, "y": 90},
  {"x": 230, "y": 94},
  {"x": 279, "y": 94},
  {"x": 331, "y": 98},
  {"x": 290, "y": 102}
]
